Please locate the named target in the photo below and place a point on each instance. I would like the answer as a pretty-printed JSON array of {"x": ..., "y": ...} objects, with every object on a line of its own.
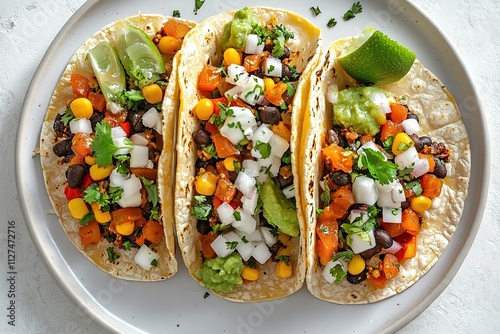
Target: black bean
[
  {"x": 342, "y": 142},
  {"x": 75, "y": 174},
  {"x": 417, "y": 143},
  {"x": 284, "y": 182},
  {"x": 202, "y": 138},
  {"x": 59, "y": 128},
  {"x": 203, "y": 227},
  {"x": 440, "y": 168},
  {"x": 367, "y": 254},
  {"x": 269, "y": 115},
  {"x": 63, "y": 148},
  {"x": 405, "y": 205},
  {"x": 340, "y": 178},
  {"x": 425, "y": 141},
  {"x": 96, "y": 118},
  {"x": 286, "y": 53},
  {"x": 383, "y": 238},
  {"x": 290, "y": 74},
  {"x": 412, "y": 116},
  {"x": 356, "y": 279},
  {"x": 135, "y": 119}
]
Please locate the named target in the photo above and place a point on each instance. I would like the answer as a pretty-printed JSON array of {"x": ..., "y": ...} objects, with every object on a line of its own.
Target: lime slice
[
  {"x": 140, "y": 56},
  {"x": 375, "y": 59},
  {"x": 108, "y": 70}
]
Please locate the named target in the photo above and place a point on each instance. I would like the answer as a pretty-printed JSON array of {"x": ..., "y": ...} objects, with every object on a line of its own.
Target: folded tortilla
[
  {"x": 439, "y": 118},
  {"x": 201, "y": 47},
  {"x": 54, "y": 171}
]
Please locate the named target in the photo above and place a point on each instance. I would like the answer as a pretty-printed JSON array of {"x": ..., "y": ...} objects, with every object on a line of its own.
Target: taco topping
[
  {"x": 378, "y": 182},
  {"x": 244, "y": 199},
  {"x": 110, "y": 139}
]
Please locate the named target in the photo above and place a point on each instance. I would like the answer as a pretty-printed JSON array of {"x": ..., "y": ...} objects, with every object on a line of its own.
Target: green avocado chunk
[
  {"x": 278, "y": 210},
  {"x": 236, "y": 31},
  {"x": 222, "y": 273},
  {"x": 356, "y": 107}
]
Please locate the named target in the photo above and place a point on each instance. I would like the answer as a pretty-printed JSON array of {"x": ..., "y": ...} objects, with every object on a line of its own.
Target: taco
[
  {"x": 103, "y": 139},
  {"x": 239, "y": 224},
  {"x": 381, "y": 202}
]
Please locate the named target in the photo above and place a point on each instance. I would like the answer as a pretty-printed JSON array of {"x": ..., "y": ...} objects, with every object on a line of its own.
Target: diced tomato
[
  {"x": 90, "y": 233},
  {"x": 223, "y": 146},
  {"x": 209, "y": 78},
  {"x": 252, "y": 62},
  {"x": 216, "y": 202},
  {"x": 340, "y": 201},
  {"x": 124, "y": 215},
  {"x": 71, "y": 193},
  {"x": 216, "y": 102},
  {"x": 379, "y": 281},
  {"x": 394, "y": 229},
  {"x": 390, "y": 266},
  {"x": 98, "y": 101},
  {"x": 87, "y": 181},
  {"x": 211, "y": 128},
  {"x": 225, "y": 190},
  {"x": 409, "y": 246},
  {"x": 126, "y": 127},
  {"x": 80, "y": 85},
  {"x": 140, "y": 240}
]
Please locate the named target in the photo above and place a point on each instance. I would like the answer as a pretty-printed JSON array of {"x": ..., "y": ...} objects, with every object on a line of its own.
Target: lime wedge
[
  {"x": 140, "y": 56},
  {"x": 108, "y": 70},
  {"x": 375, "y": 59}
]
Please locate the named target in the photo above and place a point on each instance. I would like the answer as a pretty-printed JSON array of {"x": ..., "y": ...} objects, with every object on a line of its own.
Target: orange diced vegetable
[
  {"x": 226, "y": 190},
  {"x": 223, "y": 146},
  {"x": 327, "y": 239},
  {"x": 430, "y": 160},
  {"x": 275, "y": 94},
  {"x": 431, "y": 185},
  {"x": 340, "y": 201},
  {"x": 389, "y": 129},
  {"x": 80, "y": 85},
  {"x": 398, "y": 113},
  {"x": 206, "y": 249},
  {"x": 176, "y": 28},
  {"x": 148, "y": 173},
  {"x": 394, "y": 229},
  {"x": 123, "y": 215},
  {"x": 336, "y": 158},
  {"x": 409, "y": 246},
  {"x": 410, "y": 222},
  {"x": 90, "y": 233},
  {"x": 81, "y": 144},
  {"x": 390, "y": 266},
  {"x": 209, "y": 78},
  {"x": 98, "y": 101},
  {"x": 140, "y": 240},
  {"x": 153, "y": 232},
  {"x": 377, "y": 279},
  {"x": 252, "y": 62}
]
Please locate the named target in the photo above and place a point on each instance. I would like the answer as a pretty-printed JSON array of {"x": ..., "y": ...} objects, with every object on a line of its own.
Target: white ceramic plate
[{"x": 177, "y": 305}]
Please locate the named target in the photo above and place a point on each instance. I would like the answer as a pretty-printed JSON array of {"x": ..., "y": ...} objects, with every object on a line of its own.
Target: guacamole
[
  {"x": 355, "y": 107},
  {"x": 278, "y": 210},
  {"x": 236, "y": 31},
  {"x": 222, "y": 273}
]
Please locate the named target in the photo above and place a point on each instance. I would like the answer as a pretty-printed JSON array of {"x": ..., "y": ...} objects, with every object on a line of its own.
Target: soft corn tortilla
[
  {"x": 54, "y": 171},
  {"x": 440, "y": 119},
  {"x": 201, "y": 47}
]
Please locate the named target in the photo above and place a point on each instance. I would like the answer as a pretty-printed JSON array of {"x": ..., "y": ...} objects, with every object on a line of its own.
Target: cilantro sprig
[
  {"x": 103, "y": 147},
  {"x": 360, "y": 225},
  {"x": 201, "y": 208},
  {"x": 377, "y": 166},
  {"x": 93, "y": 194}
]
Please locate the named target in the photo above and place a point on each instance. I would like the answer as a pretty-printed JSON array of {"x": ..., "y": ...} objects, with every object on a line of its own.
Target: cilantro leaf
[
  {"x": 361, "y": 226},
  {"x": 197, "y": 5},
  {"x": 338, "y": 272},
  {"x": 152, "y": 190},
  {"x": 131, "y": 99},
  {"x": 357, "y": 8},
  {"x": 346, "y": 255},
  {"x": 378, "y": 168},
  {"x": 112, "y": 256},
  {"x": 331, "y": 23},
  {"x": 284, "y": 258},
  {"x": 325, "y": 195},
  {"x": 87, "y": 219},
  {"x": 92, "y": 194},
  {"x": 121, "y": 163},
  {"x": 415, "y": 186},
  {"x": 126, "y": 245},
  {"x": 316, "y": 11},
  {"x": 154, "y": 262},
  {"x": 176, "y": 13},
  {"x": 103, "y": 147},
  {"x": 231, "y": 244},
  {"x": 201, "y": 209},
  {"x": 263, "y": 148},
  {"x": 67, "y": 116}
]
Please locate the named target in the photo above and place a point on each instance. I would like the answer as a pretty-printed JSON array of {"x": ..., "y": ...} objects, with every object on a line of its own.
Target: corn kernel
[
  {"x": 231, "y": 56},
  {"x": 284, "y": 251},
  {"x": 204, "y": 109},
  {"x": 250, "y": 274},
  {"x": 169, "y": 45},
  {"x": 230, "y": 163},
  {"x": 98, "y": 173},
  {"x": 283, "y": 270},
  {"x": 89, "y": 160},
  {"x": 356, "y": 265},
  {"x": 78, "y": 208},
  {"x": 126, "y": 228},
  {"x": 269, "y": 83},
  {"x": 82, "y": 108},
  {"x": 401, "y": 143},
  {"x": 152, "y": 93},
  {"x": 283, "y": 238},
  {"x": 420, "y": 204},
  {"x": 102, "y": 217},
  {"x": 206, "y": 183}
]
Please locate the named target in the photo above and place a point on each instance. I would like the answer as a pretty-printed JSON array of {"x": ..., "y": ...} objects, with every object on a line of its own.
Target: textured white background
[{"x": 468, "y": 305}]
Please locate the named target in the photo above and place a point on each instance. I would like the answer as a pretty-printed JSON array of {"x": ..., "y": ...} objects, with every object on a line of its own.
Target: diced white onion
[
  {"x": 410, "y": 126},
  {"x": 421, "y": 167},
  {"x": 359, "y": 245},
  {"x": 233, "y": 92},
  {"x": 329, "y": 266},
  {"x": 279, "y": 145},
  {"x": 245, "y": 249},
  {"x": 364, "y": 190},
  {"x": 246, "y": 222},
  {"x": 151, "y": 118},
  {"x": 245, "y": 184},
  {"x": 254, "y": 45},
  {"x": 381, "y": 101},
  {"x": 120, "y": 142},
  {"x": 386, "y": 187},
  {"x": 145, "y": 256},
  {"x": 131, "y": 196},
  {"x": 261, "y": 253},
  {"x": 263, "y": 177},
  {"x": 251, "y": 167},
  {"x": 407, "y": 159},
  {"x": 398, "y": 193},
  {"x": 272, "y": 67},
  {"x": 238, "y": 125},
  {"x": 332, "y": 94},
  {"x": 220, "y": 246},
  {"x": 391, "y": 215},
  {"x": 118, "y": 132},
  {"x": 289, "y": 191},
  {"x": 254, "y": 236},
  {"x": 114, "y": 107},
  {"x": 82, "y": 125},
  {"x": 225, "y": 212},
  {"x": 355, "y": 213},
  {"x": 369, "y": 144},
  {"x": 271, "y": 165},
  {"x": 268, "y": 236},
  {"x": 139, "y": 156},
  {"x": 262, "y": 134},
  {"x": 237, "y": 75},
  {"x": 396, "y": 247},
  {"x": 249, "y": 203},
  {"x": 139, "y": 139},
  {"x": 117, "y": 179},
  {"x": 253, "y": 91},
  {"x": 385, "y": 200}
]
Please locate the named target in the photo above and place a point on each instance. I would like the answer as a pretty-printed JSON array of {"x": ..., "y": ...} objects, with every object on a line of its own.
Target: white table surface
[{"x": 468, "y": 305}]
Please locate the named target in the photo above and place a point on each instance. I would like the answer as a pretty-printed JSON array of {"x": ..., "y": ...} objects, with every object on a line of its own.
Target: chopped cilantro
[
  {"x": 351, "y": 13},
  {"x": 121, "y": 163},
  {"x": 325, "y": 195},
  {"x": 112, "y": 256},
  {"x": 387, "y": 144},
  {"x": 231, "y": 244},
  {"x": 252, "y": 264},
  {"x": 197, "y": 6},
  {"x": 331, "y": 23},
  {"x": 346, "y": 255},
  {"x": 338, "y": 272},
  {"x": 316, "y": 11},
  {"x": 154, "y": 262},
  {"x": 126, "y": 245},
  {"x": 67, "y": 116},
  {"x": 152, "y": 190},
  {"x": 201, "y": 209},
  {"x": 319, "y": 211},
  {"x": 92, "y": 194},
  {"x": 324, "y": 229},
  {"x": 290, "y": 89},
  {"x": 244, "y": 239},
  {"x": 206, "y": 295},
  {"x": 263, "y": 148},
  {"x": 414, "y": 186},
  {"x": 378, "y": 168},
  {"x": 210, "y": 150},
  {"x": 237, "y": 215},
  {"x": 284, "y": 258},
  {"x": 286, "y": 158},
  {"x": 87, "y": 219},
  {"x": 176, "y": 13},
  {"x": 103, "y": 147},
  {"x": 131, "y": 99}
]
